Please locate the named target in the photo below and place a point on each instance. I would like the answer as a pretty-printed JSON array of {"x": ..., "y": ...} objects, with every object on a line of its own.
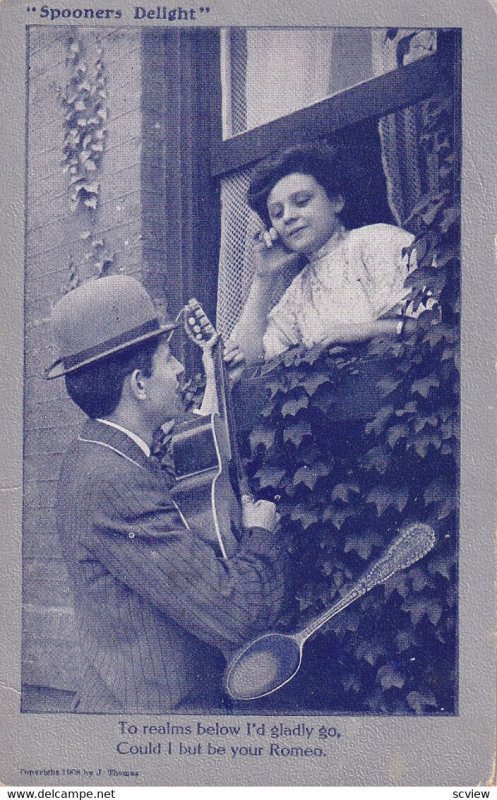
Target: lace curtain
[{"x": 408, "y": 171}]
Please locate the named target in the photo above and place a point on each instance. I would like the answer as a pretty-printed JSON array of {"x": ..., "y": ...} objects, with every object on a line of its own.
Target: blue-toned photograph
[{"x": 241, "y": 402}]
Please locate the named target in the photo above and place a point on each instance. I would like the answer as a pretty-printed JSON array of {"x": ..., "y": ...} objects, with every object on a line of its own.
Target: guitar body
[{"x": 204, "y": 490}]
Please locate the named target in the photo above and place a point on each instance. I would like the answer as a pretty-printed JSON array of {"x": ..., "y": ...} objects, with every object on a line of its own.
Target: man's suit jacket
[{"x": 155, "y": 607}]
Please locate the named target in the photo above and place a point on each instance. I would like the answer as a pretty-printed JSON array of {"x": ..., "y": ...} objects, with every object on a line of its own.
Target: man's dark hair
[
  {"x": 316, "y": 159},
  {"x": 97, "y": 387}
]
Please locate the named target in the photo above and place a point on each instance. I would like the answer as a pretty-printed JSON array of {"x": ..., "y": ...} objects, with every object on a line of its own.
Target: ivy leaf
[
  {"x": 304, "y": 514},
  {"x": 410, "y": 408},
  {"x": 447, "y": 506},
  {"x": 342, "y": 491},
  {"x": 363, "y": 543},
  {"x": 294, "y": 404},
  {"x": 441, "y": 564},
  {"x": 397, "y": 432},
  {"x": 324, "y": 397},
  {"x": 269, "y": 476},
  {"x": 370, "y": 652},
  {"x": 436, "y": 334},
  {"x": 346, "y": 621},
  {"x": 431, "y": 213},
  {"x": 388, "y": 676},
  {"x": 388, "y": 385},
  {"x": 422, "y": 386},
  {"x": 91, "y": 188},
  {"x": 421, "y": 701},
  {"x": 380, "y": 420},
  {"x": 422, "y": 443},
  {"x": 435, "y": 491},
  {"x": 397, "y": 583},
  {"x": 309, "y": 453},
  {"x": 315, "y": 380},
  {"x": 274, "y": 386},
  {"x": 449, "y": 428},
  {"x": 308, "y": 475},
  {"x": 296, "y": 432},
  {"x": 418, "y": 579},
  {"x": 305, "y": 601},
  {"x": 338, "y": 515},
  {"x": 448, "y": 450},
  {"x": 378, "y": 458},
  {"x": 261, "y": 435},
  {"x": 382, "y": 497},
  {"x": 418, "y": 606},
  {"x": 422, "y": 421},
  {"x": 450, "y": 216},
  {"x": 405, "y": 639}
]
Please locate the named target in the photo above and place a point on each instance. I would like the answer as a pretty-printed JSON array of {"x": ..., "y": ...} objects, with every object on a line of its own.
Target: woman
[{"x": 351, "y": 280}]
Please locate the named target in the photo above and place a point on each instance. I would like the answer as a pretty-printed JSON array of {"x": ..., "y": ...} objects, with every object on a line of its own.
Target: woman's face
[{"x": 302, "y": 213}]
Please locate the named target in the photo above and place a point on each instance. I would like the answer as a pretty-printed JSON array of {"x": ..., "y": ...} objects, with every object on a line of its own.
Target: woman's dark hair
[
  {"x": 97, "y": 387},
  {"x": 316, "y": 159}
]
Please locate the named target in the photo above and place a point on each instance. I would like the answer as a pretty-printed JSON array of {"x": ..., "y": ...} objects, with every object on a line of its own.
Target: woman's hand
[
  {"x": 270, "y": 254},
  {"x": 234, "y": 358}
]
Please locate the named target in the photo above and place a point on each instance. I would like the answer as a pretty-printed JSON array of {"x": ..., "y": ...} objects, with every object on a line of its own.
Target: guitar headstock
[{"x": 198, "y": 326}]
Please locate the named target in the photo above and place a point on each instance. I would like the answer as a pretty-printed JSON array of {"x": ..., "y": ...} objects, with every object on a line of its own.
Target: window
[{"x": 355, "y": 86}]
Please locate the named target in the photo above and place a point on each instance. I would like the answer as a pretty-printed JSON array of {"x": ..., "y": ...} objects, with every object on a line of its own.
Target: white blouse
[{"x": 357, "y": 276}]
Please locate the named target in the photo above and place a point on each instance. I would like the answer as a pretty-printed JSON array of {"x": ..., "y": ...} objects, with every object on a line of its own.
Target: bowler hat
[{"x": 101, "y": 317}]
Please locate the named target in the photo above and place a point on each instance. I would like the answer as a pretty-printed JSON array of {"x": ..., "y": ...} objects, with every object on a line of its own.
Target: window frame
[{"x": 372, "y": 99}]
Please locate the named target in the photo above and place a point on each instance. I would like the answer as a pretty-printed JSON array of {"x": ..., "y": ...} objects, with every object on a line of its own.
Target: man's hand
[
  {"x": 234, "y": 358},
  {"x": 259, "y": 514}
]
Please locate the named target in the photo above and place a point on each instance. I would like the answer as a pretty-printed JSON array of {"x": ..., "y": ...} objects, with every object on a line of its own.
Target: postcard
[{"x": 248, "y": 408}]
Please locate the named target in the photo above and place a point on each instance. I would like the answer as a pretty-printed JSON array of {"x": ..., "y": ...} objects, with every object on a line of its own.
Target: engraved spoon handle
[{"x": 413, "y": 542}]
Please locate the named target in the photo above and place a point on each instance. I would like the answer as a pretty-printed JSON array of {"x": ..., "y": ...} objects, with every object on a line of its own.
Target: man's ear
[{"x": 137, "y": 385}]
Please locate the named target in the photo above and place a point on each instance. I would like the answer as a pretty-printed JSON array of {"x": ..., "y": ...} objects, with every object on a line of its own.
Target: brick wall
[{"x": 53, "y": 239}]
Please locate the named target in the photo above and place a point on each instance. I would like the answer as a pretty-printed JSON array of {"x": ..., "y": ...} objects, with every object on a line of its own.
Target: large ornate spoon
[{"x": 268, "y": 662}]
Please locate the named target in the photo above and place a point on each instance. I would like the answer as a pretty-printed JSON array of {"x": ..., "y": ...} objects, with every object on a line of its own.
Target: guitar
[{"x": 210, "y": 480}]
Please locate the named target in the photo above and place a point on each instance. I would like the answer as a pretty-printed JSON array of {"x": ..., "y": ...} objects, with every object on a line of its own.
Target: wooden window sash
[{"x": 371, "y": 99}]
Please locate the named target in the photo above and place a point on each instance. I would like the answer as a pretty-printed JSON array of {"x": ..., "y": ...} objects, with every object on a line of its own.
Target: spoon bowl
[{"x": 263, "y": 666}]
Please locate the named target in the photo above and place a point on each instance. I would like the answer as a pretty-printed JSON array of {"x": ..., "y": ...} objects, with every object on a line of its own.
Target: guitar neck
[
  {"x": 217, "y": 392},
  {"x": 226, "y": 411}
]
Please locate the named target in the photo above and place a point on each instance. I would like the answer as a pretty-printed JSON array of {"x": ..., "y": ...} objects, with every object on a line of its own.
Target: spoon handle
[{"x": 412, "y": 543}]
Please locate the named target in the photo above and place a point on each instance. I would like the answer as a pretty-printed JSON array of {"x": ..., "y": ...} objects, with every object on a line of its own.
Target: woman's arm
[
  {"x": 250, "y": 328},
  {"x": 362, "y": 331},
  {"x": 270, "y": 258}
]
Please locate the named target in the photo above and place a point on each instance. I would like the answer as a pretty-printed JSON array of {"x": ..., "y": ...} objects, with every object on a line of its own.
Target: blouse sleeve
[
  {"x": 282, "y": 329},
  {"x": 387, "y": 266}
]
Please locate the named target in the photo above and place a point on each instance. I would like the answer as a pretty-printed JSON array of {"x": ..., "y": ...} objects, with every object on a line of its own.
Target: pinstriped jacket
[{"x": 155, "y": 608}]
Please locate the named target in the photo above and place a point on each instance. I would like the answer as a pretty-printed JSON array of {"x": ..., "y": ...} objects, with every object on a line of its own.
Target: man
[{"x": 157, "y": 611}]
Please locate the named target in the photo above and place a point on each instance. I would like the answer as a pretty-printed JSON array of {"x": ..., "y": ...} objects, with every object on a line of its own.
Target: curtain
[{"x": 408, "y": 171}]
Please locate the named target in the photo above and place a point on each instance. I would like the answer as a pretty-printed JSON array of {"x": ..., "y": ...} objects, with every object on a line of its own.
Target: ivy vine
[
  {"x": 344, "y": 489},
  {"x": 84, "y": 103}
]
